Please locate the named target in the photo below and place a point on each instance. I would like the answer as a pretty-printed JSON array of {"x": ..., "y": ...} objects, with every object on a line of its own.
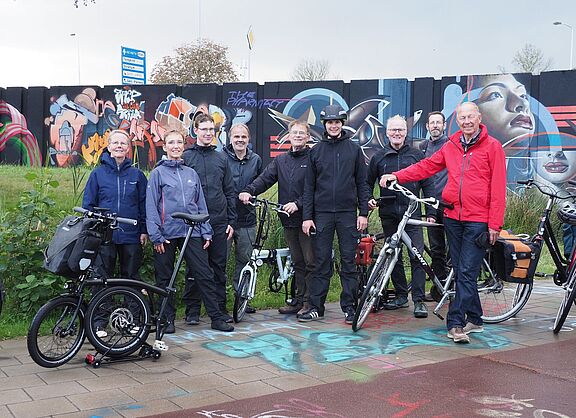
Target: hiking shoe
[
  {"x": 311, "y": 315},
  {"x": 192, "y": 319},
  {"x": 290, "y": 309},
  {"x": 227, "y": 318},
  {"x": 470, "y": 327},
  {"x": 397, "y": 303},
  {"x": 349, "y": 315},
  {"x": 457, "y": 334},
  {"x": 221, "y": 325},
  {"x": 250, "y": 309},
  {"x": 169, "y": 328},
  {"x": 420, "y": 310},
  {"x": 428, "y": 297},
  {"x": 101, "y": 333}
]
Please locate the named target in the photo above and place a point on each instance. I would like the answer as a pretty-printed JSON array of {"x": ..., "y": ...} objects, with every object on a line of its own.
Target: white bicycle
[{"x": 278, "y": 259}]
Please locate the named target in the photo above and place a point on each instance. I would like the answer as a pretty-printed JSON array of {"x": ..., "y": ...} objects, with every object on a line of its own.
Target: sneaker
[
  {"x": 169, "y": 328},
  {"x": 420, "y": 310},
  {"x": 311, "y": 315},
  {"x": 290, "y": 309},
  {"x": 428, "y": 297},
  {"x": 349, "y": 315},
  {"x": 397, "y": 303},
  {"x": 250, "y": 309},
  {"x": 192, "y": 319},
  {"x": 305, "y": 308},
  {"x": 221, "y": 325},
  {"x": 227, "y": 318},
  {"x": 457, "y": 334},
  {"x": 101, "y": 333},
  {"x": 470, "y": 327}
]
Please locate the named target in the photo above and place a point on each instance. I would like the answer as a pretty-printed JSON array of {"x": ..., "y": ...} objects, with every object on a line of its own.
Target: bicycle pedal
[{"x": 160, "y": 345}]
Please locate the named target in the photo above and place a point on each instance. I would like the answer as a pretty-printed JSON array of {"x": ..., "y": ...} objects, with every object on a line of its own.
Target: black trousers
[
  {"x": 389, "y": 227},
  {"x": 302, "y": 253},
  {"x": 344, "y": 224},
  {"x": 197, "y": 263},
  {"x": 217, "y": 254},
  {"x": 437, "y": 240},
  {"x": 128, "y": 255}
]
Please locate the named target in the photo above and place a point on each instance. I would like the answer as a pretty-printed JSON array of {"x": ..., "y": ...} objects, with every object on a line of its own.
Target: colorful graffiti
[{"x": 14, "y": 133}]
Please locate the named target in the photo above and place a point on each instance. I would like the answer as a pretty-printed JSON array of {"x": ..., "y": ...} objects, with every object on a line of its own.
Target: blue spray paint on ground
[{"x": 333, "y": 346}]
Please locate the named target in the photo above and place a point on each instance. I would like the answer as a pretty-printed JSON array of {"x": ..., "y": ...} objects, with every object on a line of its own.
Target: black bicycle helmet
[
  {"x": 567, "y": 213},
  {"x": 333, "y": 112}
]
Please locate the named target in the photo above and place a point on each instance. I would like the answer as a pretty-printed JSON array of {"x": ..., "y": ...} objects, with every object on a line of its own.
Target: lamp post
[
  {"x": 571, "y": 41},
  {"x": 77, "y": 54}
]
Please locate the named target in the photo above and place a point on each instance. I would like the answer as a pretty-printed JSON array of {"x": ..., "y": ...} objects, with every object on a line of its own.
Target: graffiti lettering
[
  {"x": 510, "y": 407},
  {"x": 128, "y": 107},
  {"x": 247, "y": 99}
]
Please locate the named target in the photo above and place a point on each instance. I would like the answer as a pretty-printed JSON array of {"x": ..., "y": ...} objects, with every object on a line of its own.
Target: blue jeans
[{"x": 466, "y": 258}]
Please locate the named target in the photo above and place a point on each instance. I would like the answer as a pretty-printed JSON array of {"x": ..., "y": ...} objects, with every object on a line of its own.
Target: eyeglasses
[
  {"x": 298, "y": 133},
  {"x": 395, "y": 129},
  {"x": 210, "y": 130}
]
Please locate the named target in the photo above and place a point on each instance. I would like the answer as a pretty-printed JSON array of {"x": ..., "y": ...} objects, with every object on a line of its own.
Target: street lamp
[
  {"x": 77, "y": 54},
  {"x": 571, "y": 41}
]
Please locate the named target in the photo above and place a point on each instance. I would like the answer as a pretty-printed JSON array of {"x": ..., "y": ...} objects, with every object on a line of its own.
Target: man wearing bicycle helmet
[
  {"x": 476, "y": 189},
  {"x": 335, "y": 201}
]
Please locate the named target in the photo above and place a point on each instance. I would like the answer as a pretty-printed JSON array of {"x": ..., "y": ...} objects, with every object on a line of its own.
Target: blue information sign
[{"x": 133, "y": 66}]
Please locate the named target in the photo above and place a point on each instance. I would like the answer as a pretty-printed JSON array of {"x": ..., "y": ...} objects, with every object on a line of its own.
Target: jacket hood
[
  {"x": 343, "y": 135},
  {"x": 202, "y": 148},
  {"x": 170, "y": 163},
  {"x": 107, "y": 160}
]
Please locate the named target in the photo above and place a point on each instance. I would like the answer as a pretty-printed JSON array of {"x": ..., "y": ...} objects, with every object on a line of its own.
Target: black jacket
[
  {"x": 440, "y": 179},
  {"x": 217, "y": 183},
  {"x": 389, "y": 160},
  {"x": 289, "y": 170},
  {"x": 244, "y": 172},
  {"x": 336, "y": 178}
]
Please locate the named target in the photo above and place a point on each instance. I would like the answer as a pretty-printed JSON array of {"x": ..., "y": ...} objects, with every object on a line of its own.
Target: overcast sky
[{"x": 361, "y": 39}]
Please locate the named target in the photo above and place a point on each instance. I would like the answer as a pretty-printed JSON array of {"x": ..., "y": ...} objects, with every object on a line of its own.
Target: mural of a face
[
  {"x": 505, "y": 108},
  {"x": 555, "y": 165}
]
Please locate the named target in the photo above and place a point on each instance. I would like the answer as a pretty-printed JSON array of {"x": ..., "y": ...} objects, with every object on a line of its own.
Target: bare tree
[
  {"x": 84, "y": 2},
  {"x": 203, "y": 61},
  {"x": 311, "y": 70},
  {"x": 530, "y": 59}
]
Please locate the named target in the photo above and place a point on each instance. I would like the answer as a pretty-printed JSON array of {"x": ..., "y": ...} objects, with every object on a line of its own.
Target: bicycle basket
[
  {"x": 74, "y": 246},
  {"x": 365, "y": 251},
  {"x": 514, "y": 259}
]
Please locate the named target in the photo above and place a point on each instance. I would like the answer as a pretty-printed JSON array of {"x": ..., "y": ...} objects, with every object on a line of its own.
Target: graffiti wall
[{"x": 533, "y": 116}]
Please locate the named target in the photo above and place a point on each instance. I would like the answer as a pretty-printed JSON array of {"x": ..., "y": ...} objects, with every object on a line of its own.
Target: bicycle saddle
[{"x": 191, "y": 219}]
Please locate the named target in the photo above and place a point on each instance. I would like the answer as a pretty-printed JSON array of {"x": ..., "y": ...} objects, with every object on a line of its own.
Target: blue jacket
[
  {"x": 122, "y": 190},
  {"x": 173, "y": 187}
]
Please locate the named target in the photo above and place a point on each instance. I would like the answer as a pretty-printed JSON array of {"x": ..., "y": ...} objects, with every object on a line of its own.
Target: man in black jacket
[
  {"x": 246, "y": 165},
  {"x": 436, "y": 124},
  {"x": 393, "y": 157},
  {"x": 335, "y": 189},
  {"x": 289, "y": 170},
  {"x": 217, "y": 184}
]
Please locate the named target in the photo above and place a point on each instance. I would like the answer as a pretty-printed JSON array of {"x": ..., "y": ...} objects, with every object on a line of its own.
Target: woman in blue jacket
[{"x": 121, "y": 188}]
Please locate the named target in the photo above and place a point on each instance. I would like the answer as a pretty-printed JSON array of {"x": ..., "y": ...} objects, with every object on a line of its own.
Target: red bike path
[{"x": 528, "y": 382}]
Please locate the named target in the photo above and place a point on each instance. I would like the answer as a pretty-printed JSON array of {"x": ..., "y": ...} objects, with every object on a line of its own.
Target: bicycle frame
[{"x": 280, "y": 258}]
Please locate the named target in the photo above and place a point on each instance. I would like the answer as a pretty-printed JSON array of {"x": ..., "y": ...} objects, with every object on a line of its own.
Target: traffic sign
[{"x": 133, "y": 66}]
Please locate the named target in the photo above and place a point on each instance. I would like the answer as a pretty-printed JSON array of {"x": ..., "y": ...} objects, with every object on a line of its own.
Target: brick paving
[{"x": 268, "y": 353}]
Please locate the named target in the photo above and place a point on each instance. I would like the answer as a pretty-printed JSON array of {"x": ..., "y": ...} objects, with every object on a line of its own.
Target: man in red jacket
[{"x": 476, "y": 188}]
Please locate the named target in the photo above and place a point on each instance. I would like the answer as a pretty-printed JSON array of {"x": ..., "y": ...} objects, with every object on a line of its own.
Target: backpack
[
  {"x": 74, "y": 246},
  {"x": 514, "y": 259}
]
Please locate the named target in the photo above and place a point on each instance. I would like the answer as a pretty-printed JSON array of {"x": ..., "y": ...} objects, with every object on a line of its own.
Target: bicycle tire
[
  {"x": 56, "y": 335},
  {"x": 566, "y": 304},
  {"x": 376, "y": 283},
  {"x": 500, "y": 300},
  {"x": 241, "y": 297},
  {"x": 124, "y": 314}
]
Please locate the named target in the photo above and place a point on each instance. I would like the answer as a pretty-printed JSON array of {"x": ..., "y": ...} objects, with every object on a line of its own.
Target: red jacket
[{"x": 476, "y": 179}]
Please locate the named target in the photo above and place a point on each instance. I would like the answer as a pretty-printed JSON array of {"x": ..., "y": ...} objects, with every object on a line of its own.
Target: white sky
[{"x": 361, "y": 39}]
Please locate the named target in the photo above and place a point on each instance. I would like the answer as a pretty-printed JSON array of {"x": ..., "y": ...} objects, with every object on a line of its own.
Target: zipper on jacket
[
  {"x": 181, "y": 187},
  {"x": 460, "y": 188},
  {"x": 118, "y": 188},
  {"x": 337, "y": 165}
]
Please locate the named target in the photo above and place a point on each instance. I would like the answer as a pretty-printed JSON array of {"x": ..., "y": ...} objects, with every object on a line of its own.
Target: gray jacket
[{"x": 430, "y": 147}]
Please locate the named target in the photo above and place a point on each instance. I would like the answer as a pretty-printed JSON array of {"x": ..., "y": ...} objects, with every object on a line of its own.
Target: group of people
[{"x": 327, "y": 190}]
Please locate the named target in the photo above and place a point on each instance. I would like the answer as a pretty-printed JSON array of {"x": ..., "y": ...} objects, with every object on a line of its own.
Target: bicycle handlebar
[
  {"x": 529, "y": 183},
  {"x": 268, "y": 203},
  {"x": 105, "y": 217},
  {"x": 430, "y": 201}
]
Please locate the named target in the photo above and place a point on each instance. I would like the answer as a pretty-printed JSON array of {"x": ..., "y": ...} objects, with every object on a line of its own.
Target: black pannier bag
[
  {"x": 514, "y": 259},
  {"x": 74, "y": 246}
]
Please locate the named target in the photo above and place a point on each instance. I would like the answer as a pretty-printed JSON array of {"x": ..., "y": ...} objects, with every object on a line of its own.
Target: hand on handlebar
[
  {"x": 245, "y": 198},
  {"x": 387, "y": 179},
  {"x": 372, "y": 204},
  {"x": 290, "y": 208}
]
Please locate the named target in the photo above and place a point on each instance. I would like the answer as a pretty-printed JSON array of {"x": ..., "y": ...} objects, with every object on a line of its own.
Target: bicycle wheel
[
  {"x": 118, "y": 321},
  {"x": 566, "y": 304},
  {"x": 56, "y": 332},
  {"x": 500, "y": 300},
  {"x": 241, "y": 297},
  {"x": 376, "y": 283}
]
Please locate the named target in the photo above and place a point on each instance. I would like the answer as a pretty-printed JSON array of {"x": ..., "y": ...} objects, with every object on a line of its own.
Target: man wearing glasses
[
  {"x": 289, "y": 171},
  {"x": 218, "y": 187},
  {"x": 395, "y": 156}
]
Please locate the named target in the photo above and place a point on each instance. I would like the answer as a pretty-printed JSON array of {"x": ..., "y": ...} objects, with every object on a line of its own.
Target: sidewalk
[{"x": 268, "y": 353}]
